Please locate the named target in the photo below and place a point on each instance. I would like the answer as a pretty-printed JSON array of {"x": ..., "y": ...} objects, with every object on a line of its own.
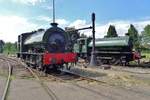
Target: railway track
[
  {"x": 6, "y": 89},
  {"x": 82, "y": 78},
  {"x": 130, "y": 70},
  {"x": 32, "y": 71},
  {"x": 75, "y": 82},
  {"x": 57, "y": 78},
  {"x": 71, "y": 76},
  {"x": 51, "y": 94}
]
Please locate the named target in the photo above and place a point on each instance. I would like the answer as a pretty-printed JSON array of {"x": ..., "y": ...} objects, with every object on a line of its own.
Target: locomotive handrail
[
  {"x": 30, "y": 53},
  {"x": 113, "y": 52}
]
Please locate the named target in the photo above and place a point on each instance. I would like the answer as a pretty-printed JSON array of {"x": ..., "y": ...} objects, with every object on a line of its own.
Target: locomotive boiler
[{"x": 46, "y": 48}]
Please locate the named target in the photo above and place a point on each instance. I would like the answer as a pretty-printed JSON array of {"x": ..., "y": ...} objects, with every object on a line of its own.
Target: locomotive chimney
[{"x": 54, "y": 24}]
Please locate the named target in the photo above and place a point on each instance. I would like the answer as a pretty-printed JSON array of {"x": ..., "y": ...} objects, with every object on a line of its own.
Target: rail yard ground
[{"x": 117, "y": 83}]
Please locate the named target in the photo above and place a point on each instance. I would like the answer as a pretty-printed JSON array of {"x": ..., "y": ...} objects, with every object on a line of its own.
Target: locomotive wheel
[
  {"x": 39, "y": 66},
  {"x": 45, "y": 70},
  {"x": 123, "y": 61},
  {"x": 138, "y": 62},
  {"x": 115, "y": 61},
  {"x": 42, "y": 71},
  {"x": 55, "y": 68},
  {"x": 30, "y": 65},
  {"x": 69, "y": 66},
  {"x": 66, "y": 66},
  {"x": 39, "y": 63}
]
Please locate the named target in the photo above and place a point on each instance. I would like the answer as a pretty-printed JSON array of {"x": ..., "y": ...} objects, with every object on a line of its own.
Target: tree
[
  {"x": 146, "y": 36},
  {"x": 134, "y": 36},
  {"x": 147, "y": 30},
  {"x": 111, "y": 31},
  {"x": 10, "y": 48}
]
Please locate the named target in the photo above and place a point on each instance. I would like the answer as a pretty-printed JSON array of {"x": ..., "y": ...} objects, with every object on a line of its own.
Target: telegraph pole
[{"x": 93, "y": 55}]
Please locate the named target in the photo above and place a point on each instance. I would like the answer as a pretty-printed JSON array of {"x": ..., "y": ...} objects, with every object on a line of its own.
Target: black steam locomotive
[{"x": 46, "y": 48}]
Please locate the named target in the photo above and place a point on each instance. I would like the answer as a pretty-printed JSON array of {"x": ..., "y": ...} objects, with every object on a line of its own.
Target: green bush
[{"x": 10, "y": 48}]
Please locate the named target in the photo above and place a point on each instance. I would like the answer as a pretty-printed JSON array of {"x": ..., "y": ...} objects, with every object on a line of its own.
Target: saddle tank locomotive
[{"x": 46, "y": 48}]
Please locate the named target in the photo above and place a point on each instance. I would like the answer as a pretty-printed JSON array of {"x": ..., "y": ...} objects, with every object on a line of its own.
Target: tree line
[
  {"x": 140, "y": 41},
  {"x": 10, "y": 48}
]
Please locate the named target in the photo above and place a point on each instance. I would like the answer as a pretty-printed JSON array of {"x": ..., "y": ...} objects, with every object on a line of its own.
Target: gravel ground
[
  {"x": 22, "y": 86},
  {"x": 121, "y": 85},
  {"x": 66, "y": 91},
  {"x": 23, "y": 89},
  {"x": 138, "y": 70},
  {"x": 3, "y": 75},
  {"x": 2, "y": 85},
  {"x": 3, "y": 68},
  {"x": 116, "y": 93},
  {"x": 96, "y": 92},
  {"x": 137, "y": 80}
]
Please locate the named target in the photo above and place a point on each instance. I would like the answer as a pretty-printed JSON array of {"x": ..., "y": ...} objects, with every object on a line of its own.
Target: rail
[
  {"x": 8, "y": 81},
  {"x": 46, "y": 88},
  {"x": 84, "y": 77}
]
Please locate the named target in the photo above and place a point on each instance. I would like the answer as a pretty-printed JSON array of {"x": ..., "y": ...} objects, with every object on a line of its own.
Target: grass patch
[
  {"x": 146, "y": 54},
  {"x": 27, "y": 77},
  {"x": 3, "y": 74}
]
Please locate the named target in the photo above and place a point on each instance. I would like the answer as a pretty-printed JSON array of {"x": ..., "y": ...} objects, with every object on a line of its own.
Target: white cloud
[
  {"x": 122, "y": 26},
  {"x": 31, "y": 2},
  {"x": 44, "y": 18},
  {"x": 78, "y": 23},
  {"x": 47, "y": 7},
  {"x": 61, "y": 22},
  {"x": 101, "y": 30},
  {"x": 140, "y": 25},
  {"x": 81, "y": 24},
  {"x": 12, "y": 26}
]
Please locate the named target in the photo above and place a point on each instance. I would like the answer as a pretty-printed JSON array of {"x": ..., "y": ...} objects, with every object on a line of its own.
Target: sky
[{"x": 20, "y": 16}]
